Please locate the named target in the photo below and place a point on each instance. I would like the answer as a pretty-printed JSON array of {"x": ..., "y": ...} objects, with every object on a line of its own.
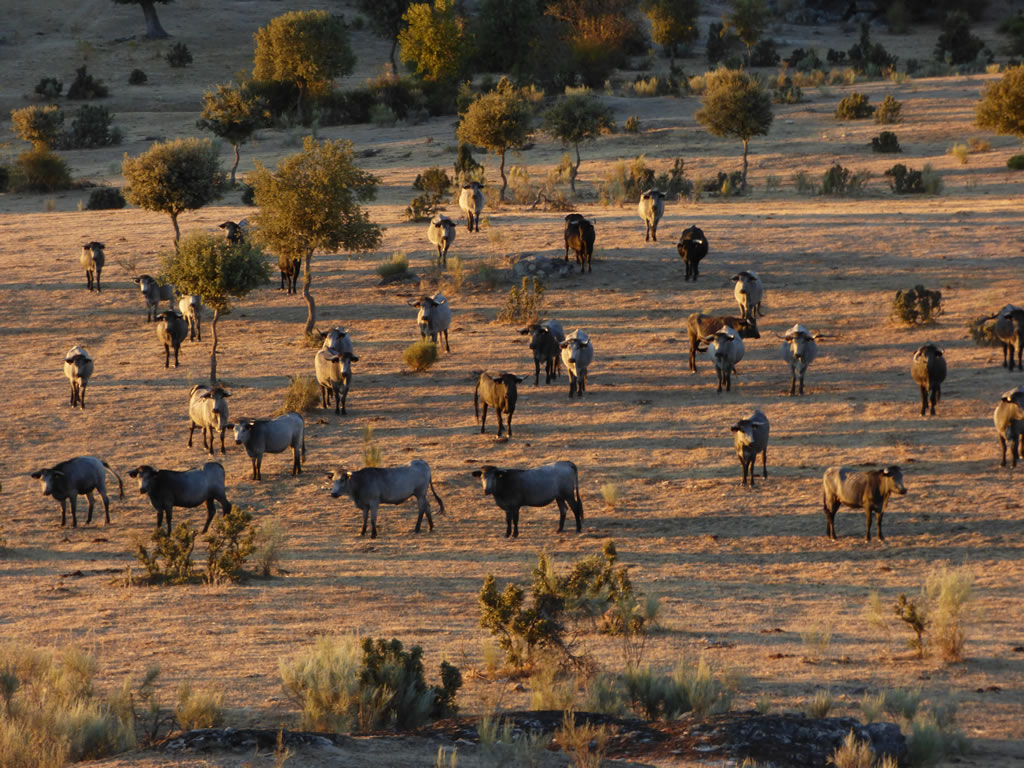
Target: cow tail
[
  {"x": 476, "y": 400},
  {"x": 120, "y": 485},
  {"x": 440, "y": 504},
  {"x": 303, "y": 444},
  {"x": 579, "y": 501}
]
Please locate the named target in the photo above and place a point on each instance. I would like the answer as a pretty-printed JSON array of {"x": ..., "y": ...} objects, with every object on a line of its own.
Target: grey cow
[
  {"x": 190, "y": 306},
  {"x": 208, "y": 410},
  {"x": 577, "y": 356},
  {"x": 928, "y": 369},
  {"x": 171, "y": 330},
  {"x": 92, "y": 259},
  {"x": 372, "y": 486},
  {"x": 153, "y": 293},
  {"x": 699, "y": 326},
  {"x": 1009, "y": 421},
  {"x": 1009, "y": 327},
  {"x": 861, "y": 490},
  {"x": 167, "y": 488},
  {"x": 749, "y": 293},
  {"x": 651, "y": 208},
  {"x": 334, "y": 375},
  {"x": 78, "y": 368},
  {"x": 799, "y": 350},
  {"x": 726, "y": 349},
  {"x": 500, "y": 391},
  {"x": 513, "y": 489},
  {"x": 545, "y": 342},
  {"x": 434, "y": 318},
  {"x": 69, "y": 479},
  {"x": 441, "y": 233},
  {"x": 750, "y": 436},
  {"x": 471, "y": 201},
  {"x": 260, "y": 436}
]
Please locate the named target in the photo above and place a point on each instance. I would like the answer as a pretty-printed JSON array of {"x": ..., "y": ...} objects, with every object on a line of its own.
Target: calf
[
  {"x": 334, "y": 374},
  {"x": 171, "y": 330},
  {"x": 580, "y": 236},
  {"x": 471, "y": 201},
  {"x": 434, "y": 318},
  {"x": 261, "y": 436},
  {"x": 190, "y": 307},
  {"x": 699, "y": 325},
  {"x": 1009, "y": 421},
  {"x": 372, "y": 486},
  {"x": 208, "y": 410},
  {"x": 78, "y": 367},
  {"x": 545, "y": 341},
  {"x": 651, "y": 208},
  {"x": 860, "y": 490},
  {"x": 441, "y": 232},
  {"x": 500, "y": 392},
  {"x": 750, "y": 436},
  {"x": 1009, "y": 327},
  {"x": 80, "y": 475},
  {"x": 692, "y": 247},
  {"x": 749, "y": 293},
  {"x": 167, "y": 489},
  {"x": 928, "y": 369},
  {"x": 289, "y": 267},
  {"x": 153, "y": 293},
  {"x": 726, "y": 348},
  {"x": 799, "y": 350},
  {"x": 513, "y": 489},
  {"x": 577, "y": 356},
  {"x": 92, "y": 258}
]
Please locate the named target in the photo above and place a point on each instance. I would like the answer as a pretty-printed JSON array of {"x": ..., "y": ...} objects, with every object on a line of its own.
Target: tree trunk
[
  {"x": 394, "y": 66},
  {"x": 504, "y": 181},
  {"x": 234, "y": 167},
  {"x": 177, "y": 231},
  {"x": 574, "y": 170},
  {"x": 153, "y": 29},
  {"x": 745, "y": 143},
  {"x": 310, "y": 304},
  {"x": 213, "y": 350}
]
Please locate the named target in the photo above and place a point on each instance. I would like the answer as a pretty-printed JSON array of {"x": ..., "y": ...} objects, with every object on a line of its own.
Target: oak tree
[{"x": 735, "y": 104}]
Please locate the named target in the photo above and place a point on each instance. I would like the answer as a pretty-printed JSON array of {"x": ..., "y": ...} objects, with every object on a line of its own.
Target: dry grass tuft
[{"x": 302, "y": 395}]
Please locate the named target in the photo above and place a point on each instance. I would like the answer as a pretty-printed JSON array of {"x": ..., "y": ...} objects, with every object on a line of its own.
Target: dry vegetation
[{"x": 742, "y": 574}]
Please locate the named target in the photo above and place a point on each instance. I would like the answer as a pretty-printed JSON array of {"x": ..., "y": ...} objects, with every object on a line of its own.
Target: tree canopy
[
  {"x": 385, "y": 18},
  {"x": 435, "y": 40},
  {"x": 735, "y": 104},
  {"x": 40, "y": 126},
  {"x": 153, "y": 29},
  {"x": 749, "y": 18},
  {"x": 574, "y": 119},
  {"x": 233, "y": 114},
  {"x": 498, "y": 121},
  {"x": 1001, "y": 107},
  {"x": 673, "y": 22},
  {"x": 506, "y": 34}
]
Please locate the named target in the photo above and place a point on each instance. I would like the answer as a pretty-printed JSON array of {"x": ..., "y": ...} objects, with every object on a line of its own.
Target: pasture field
[{"x": 741, "y": 573}]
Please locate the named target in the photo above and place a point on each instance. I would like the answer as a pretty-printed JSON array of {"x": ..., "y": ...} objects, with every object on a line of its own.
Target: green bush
[
  {"x": 674, "y": 182},
  {"x": 85, "y": 86},
  {"x": 137, "y": 77},
  {"x": 40, "y": 126},
  {"x": 1016, "y": 163},
  {"x": 433, "y": 181},
  {"x": 917, "y": 306},
  {"x": 931, "y": 180},
  {"x": 886, "y": 142},
  {"x": 804, "y": 184},
  {"x": 632, "y": 124},
  {"x": 888, "y": 111},
  {"x": 90, "y": 128},
  {"x": 179, "y": 55},
  {"x": 420, "y": 355},
  {"x": 40, "y": 170},
  {"x": 523, "y": 305},
  {"x": 105, "y": 199},
  {"x": 171, "y": 557},
  {"x": 248, "y": 195},
  {"x": 230, "y": 544},
  {"x": 786, "y": 91},
  {"x": 854, "y": 107},
  {"x": 49, "y": 87},
  {"x": 625, "y": 182},
  {"x": 956, "y": 44},
  {"x": 841, "y": 181},
  {"x": 396, "y": 265},
  {"x": 905, "y": 181}
]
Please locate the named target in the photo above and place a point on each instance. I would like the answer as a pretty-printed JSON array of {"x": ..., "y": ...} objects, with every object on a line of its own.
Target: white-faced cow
[
  {"x": 191, "y": 308},
  {"x": 500, "y": 391},
  {"x": 208, "y": 410},
  {"x": 153, "y": 293},
  {"x": 928, "y": 369},
  {"x": 513, "y": 489},
  {"x": 78, "y": 368},
  {"x": 372, "y": 486},
  {"x": 545, "y": 342},
  {"x": 81, "y": 475},
  {"x": 167, "y": 488},
  {"x": 334, "y": 375},
  {"x": 235, "y": 232},
  {"x": 799, "y": 349},
  {"x": 171, "y": 330},
  {"x": 441, "y": 232},
  {"x": 1009, "y": 421},
  {"x": 577, "y": 356},
  {"x": 260, "y": 436},
  {"x": 580, "y": 237},
  {"x": 860, "y": 490},
  {"x": 749, "y": 293},
  {"x": 692, "y": 247},
  {"x": 651, "y": 208},
  {"x": 699, "y": 326},
  {"x": 92, "y": 259},
  {"x": 726, "y": 349},
  {"x": 1009, "y": 327},
  {"x": 750, "y": 437},
  {"x": 434, "y": 318},
  {"x": 471, "y": 201}
]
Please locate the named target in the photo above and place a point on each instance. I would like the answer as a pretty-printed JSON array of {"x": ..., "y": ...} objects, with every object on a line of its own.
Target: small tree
[
  {"x": 735, "y": 104},
  {"x": 153, "y": 29},
  {"x": 577, "y": 118},
  {"x": 435, "y": 40},
  {"x": 312, "y": 203},
  {"x": 40, "y": 126},
  {"x": 173, "y": 177},
  {"x": 673, "y": 22},
  {"x": 217, "y": 271},
  {"x": 233, "y": 114},
  {"x": 498, "y": 121},
  {"x": 385, "y": 17},
  {"x": 748, "y": 18},
  {"x": 1001, "y": 107}
]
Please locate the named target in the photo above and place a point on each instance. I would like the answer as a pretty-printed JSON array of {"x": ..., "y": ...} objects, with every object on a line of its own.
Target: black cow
[
  {"x": 929, "y": 371},
  {"x": 545, "y": 342},
  {"x": 168, "y": 489},
  {"x": 289, "y": 268},
  {"x": 580, "y": 236},
  {"x": 693, "y": 247},
  {"x": 516, "y": 488},
  {"x": 80, "y": 475},
  {"x": 499, "y": 391}
]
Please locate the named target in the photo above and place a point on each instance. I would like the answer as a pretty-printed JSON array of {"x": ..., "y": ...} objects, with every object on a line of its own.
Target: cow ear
[
  {"x": 886, "y": 472},
  {"x": 330, "y": 475},
  {"x": 519, "y": 379},
  {"x": 413, "y": 304},
  {"x": 133, "y": 473},
  {"x": 354, "y": 358},
  {"x": 348, "y": 475},
  {"x": 477, "y": 473},
  {"x": 497, "y": 379},
  {"x": 225, "y": 394},
  {"x": 229, "y": 425},
  {"x": 37, "y": 474}
]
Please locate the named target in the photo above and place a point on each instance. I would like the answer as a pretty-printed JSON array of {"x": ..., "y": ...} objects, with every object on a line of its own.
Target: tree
[
  {"x": 735, "y": 104},
  {"x": 574, "y": 119},
  {"x": 506, "y": 33},
  {"x": 749, "y": 18},
  {"x": 233, "y": 114},
  {"x": 307, "y": 48},
  {"x": 153, "y": 29},
  {"x": 385, "y": 18},
  {"x": 1001, "y": 107},
  {"x": 673, "y": 22},
  {"x": 435, "y": 40},
  {"x": 498, "y": 121},
  {"x": 40, "y": 126},
  {"x": 216, "y": 270},
  {"x": 312, "y": 203}
]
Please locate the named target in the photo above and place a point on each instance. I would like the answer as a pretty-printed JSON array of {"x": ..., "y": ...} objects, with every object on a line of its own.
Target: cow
[
  {"x": 69, "y": 479},
  {"x": 749, "y": 293},
  {"x": 372, "y": 486},
  {"x": 1009, "y": 421},
  {"x": 441, "y": 232},
  {"x": 500, "y": 391},
  {"x": 651, "y": 208},
  {"x": 1009, "y": 327},
  {"x": 153, "y": 293},
  {"x": 78, "y": 367},
  {"x": 337, "y": 341},
  {"x": 692, "y": 247},
  {"x": 434, "y": 317},
  {"x": 928, "y": 369},
  {"x": 545, "y": 341},
  {"x": 799, "y": 349},
  {"x": 167, "y": 488},
  {"x": 726, "y": 348},
  {"x": 860, "y": 490},
  {"x": 750, "y": 436},
  {"x": 92, "y": 259},
  {"x": 577, "y": 356},
  {"x": 261, "y": 436},
  {"x": 208, "y": 410},
  {"x": 516, "y": 488},
  {"x": 190, "y": 306},
  {"x": 235, "y": 232},
  {"x": 171, "y": 330},
  {"x": 334, "y": 375},
  {"x": 699, "y": 325},
  {"x": 471, "y": 201},
  {"x": 579, "y": 235},
  {"x": 289, "y": 266}
]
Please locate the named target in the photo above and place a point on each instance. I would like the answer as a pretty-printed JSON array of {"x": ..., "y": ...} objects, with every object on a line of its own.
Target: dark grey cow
[
  {"x": 699, "y": 326},
  {"x": 1009, "y": 327},
  {"x": 372, "y": 486},
  {"x": 692, "y": 247},
  {"x": 513, "y": 489},
  {"x": 928, "y": 369},
  {"x": 860, "y": 490},
  {"x": 577, "y": 356},
  {"x": 261, "y": 436},
  {"x": 580, "y": 237},
  {"x": 153, "y": 293},
  {"x": 545, "y": 343},
  {"x": 750, "y": 436},
  {"x": 434, "y": 318},
  {"x": 70, "y": 479},
  {"x": 78, "y": 368},
  {"x": 171, "y": 330},
  {"x": 289, "y": 266},
  {"x": 1009, "y": 421},
  {"x": 167, "y": 488},
  {"x": 208, "y": 410},
  {"x": 500, "y": 391},
  {"x": 799, "y": 350},
  {"x": 92, "y": 258},
  {"x": 726, "y": 349}
]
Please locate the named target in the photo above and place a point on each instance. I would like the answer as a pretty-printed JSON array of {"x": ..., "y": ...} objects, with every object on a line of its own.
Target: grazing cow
[
  {"x": 929, "y": 371},
  {"x": 1009, "y": 421},
  {"x": 516, "y": 488},
  {"x": 434, "y": 317},
  {"x": 168, "y": 488},
  {"x": 579, "y": 235},
  {"x": 692, "y": 247},
  {"x": 208, "y": 410},
  {"x": 750, "y": 436},
  {"x": 726, "y": 348},
  {"x": 334, "y": 374},
  {"x": 1009, "y": 327},
  {"x": 749, "y": 293},
  {"x": 699, "y": 325},
  {"x": 799, "y": 350},
  {"x": 191, "y": 307},
  {"x": 651, "y": 208},
  {"x": 78, "y": 367},
  {"x": 577, "y": 356},
  {"x": 289, "y": 267},
  {"x": 441, "y": 232},
  {"x": 372, "y": 486},
  {"x": 235, "y": 232},
  {"x": 261, "y": 436},
  {"x": 471, "y": 201},
  {"x": 500, "y": 392},
  {"x": 171, "y": 329},
  {"x": 92, "y": 258},
  {"x": 545, "y": 339},
  {"x": 154, "y": 293},
  {"x": 860, "y": 490},
  {"x": 80, "y": 475}
]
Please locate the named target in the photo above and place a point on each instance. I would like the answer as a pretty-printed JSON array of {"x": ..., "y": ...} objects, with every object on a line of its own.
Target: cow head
[
  {"x": 242, "y": 430},
  {"x": 145, "y": 283},
  {"x": 893, "y": 478},
  {"x": 928, "y": 351},
  {"x": 146, "y": 476},
  {"x": 510, "y": 380},
  {"x": 746, "y": 327},
  {"x": 95, "y": 247},
  {"x": 488, "y": 475},
  {"x": 340, "y": 482},
  {"x": 746, "y": 279},
  {"x": 744, "y": 430},
  {"x": 801, "y": 342},
  {"x": 52, "y": 481}
]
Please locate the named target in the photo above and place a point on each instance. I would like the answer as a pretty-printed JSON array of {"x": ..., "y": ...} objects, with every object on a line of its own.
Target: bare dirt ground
[{"x": 742, "y": 573}]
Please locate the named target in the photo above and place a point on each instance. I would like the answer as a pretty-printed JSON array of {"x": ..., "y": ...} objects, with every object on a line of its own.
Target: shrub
[
  {"x": 90, "y": 128},
  {"x": 268, "y": 543},
  {"x": 804, "y": 61},
  {"x": 625, "y": 183},
  {"x": 382, "y": 115},
  {"x": 869, "y": 57},
  {"x": 949, "y": 593},
  {"x": 302, "y": 395},
  {"x": 179, "y": 56},
  {"x": 248, "y": 195},
  {"x": 40, "y": 126},
  {"x": 803, "y": 183},
  {"x": 871, "y": 707},
  {"x": 230, "y": 545},
  {"x": 917, "y": 306},
  {"x": 40, "y": 170},
  {"x": 764, "y": 54},
  {"x": 905, "y": 181},
  {"x": 5, "y": 178},
  {"x": 820, "y": 704},
  {"x": 982, "y": 330},
  {"x": 817, "y": 640},
  {"x": 371, "y": 451},
  {"x": 888, "y": 111},
  {"x": 841, "y": 181},
  {"x": 434, "y": 182},
  {"x": 398, "y": 264},
  {"x": 549, "y": 688},
  {"x": 854, "y": 107},
  {"x": 610, "y": 494},
  {"x": 421, "y": 208},
  {"x": 886, "y": 142},
  {"x": 902, "y": 704},
  {"x": 1016, "y": 163},
  {"x": 976, "y": 145},
  {"x": 853, "y": 753},
  {"x": 49, "y": 87},
  {"x": 585, "y": 742},
  {"x": 956, "y": 44},
  {"x": 171, "y": 556},
  {"x": 420, "y": 355},
  {"x": 931, "y": 180},
  {"x": 137, "y": 77},
  {"x": 523, "y": 304},
  {"x": 104, "y": 199},
  {"x": 199, "y": 709},
  {"x": 786, "y": 92},
  {"x": 632, "y": 124},
  {"x": 85, "y": 86}
]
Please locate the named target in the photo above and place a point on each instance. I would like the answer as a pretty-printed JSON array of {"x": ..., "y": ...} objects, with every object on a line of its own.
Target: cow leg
[
  {"x": 647, "y": 232},
  {"x": 924, "y": 399},
  {"x": 764, "y": 463},
  {"x": 167, "y": 356},
  {"x": 881, "y": 509},
  {"x": 577, "y": 513},
  {"x": 936, "y": 396},
  {"x": 561, "y": 513},
  {"x": 80, "y": 388},
  {"x": 296, "y": 459},
  {"x": 446, "y": 347},
  {"x": 483, "y": 419},
  {"x": 508, "y": 420},
  {"x": 366, "y": 514},
  {"x": 508, "y": 523},
  {"x": 177, "y": 348},
  {"x": 696, "y": 270},
  {"x": 1002, "y": 442},
  {"x": 255, "y": 469},
  {"x": 221, "y": 440},
  {"x": 868, "y": 510},
  {"x": 373, "y": 521},
  {"x": 106, "y": 507},
  {"x": 92, "y": 503},
  {"x": 210, "y": 511},
  {"x": 572, "y": 384},
  {"x": 728, "y": 381},
  {"x": 1010, "y": 345},
  {"x": 501, "y": 426},
  {"x": 337, "y": 402},
  {"x": 536, "y": 372},
  {"x": 515, "y": 523},
  {"x": 323, "y": 397},
  {"x": 581, "y": 383},
  {"x": 1013, "y": 453},
  {"x": 63, "y": 513}
]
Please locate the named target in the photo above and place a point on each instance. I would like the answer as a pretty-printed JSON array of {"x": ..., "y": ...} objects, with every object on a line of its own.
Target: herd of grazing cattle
[{"x": 551, "y": 348}]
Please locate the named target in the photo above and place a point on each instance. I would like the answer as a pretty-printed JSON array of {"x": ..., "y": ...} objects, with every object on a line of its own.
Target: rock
[{"x": 540, "y": 266}]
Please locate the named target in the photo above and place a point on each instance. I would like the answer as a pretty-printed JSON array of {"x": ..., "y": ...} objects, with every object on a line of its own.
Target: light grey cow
[
  {"x": 372, "y": 486},
  {"x": 799, "y": 349},
  {"x": 334, "y": 375},
  {"x": 651, "y": 208},
  {"x": 154, "y": 293},
  {"x": 1009, "y": 327},
  {"x": 726, "y": 348},
  {"x": 928, "y": 369},
  {"x": 208, "y": 410},
  {"x": 171, "y": 330},
  {"x": 750, "y": 437},
  {"x": 190, "y": 306},
  {"x": 78, "y": 368},
  {"x": 749, "y": 293},
  {"x": 577, "y": 356},
  {"x": 1009, "y": 421},
  {"x": 513, "y": 489},
  {"x": 471, "y": 201},
  {"x": 860, "y": 490},
  {"x": 92, "y": 259},
  {"x": 434, "y": 318},
  {"x": 337, "y": 340},
  {"x": 69, "y": 479},
  {"x": 167, "y": 488},
  {"x": 441, "y": 232},
  {"x": 260, "y": 436}
]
